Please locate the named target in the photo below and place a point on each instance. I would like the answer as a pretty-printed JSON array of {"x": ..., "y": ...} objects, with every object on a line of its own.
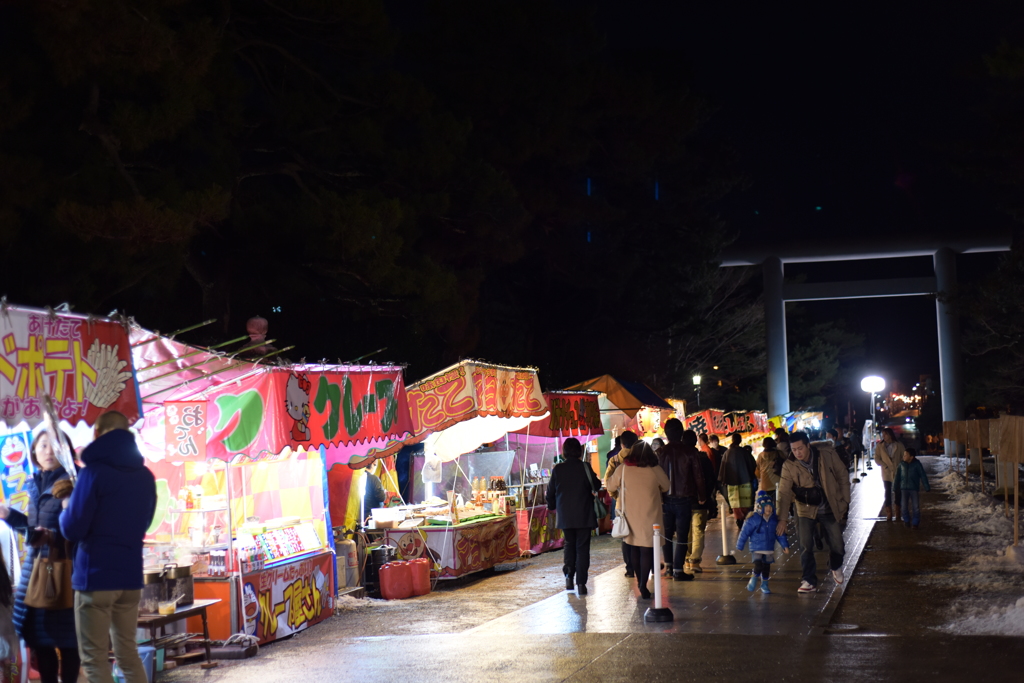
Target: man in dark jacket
[
  {"x": 107, "y": 515},
  {"x": 702, "y": 512},
  {"x": 680, "y": 461},
  {"x": 571, "y": 494}
]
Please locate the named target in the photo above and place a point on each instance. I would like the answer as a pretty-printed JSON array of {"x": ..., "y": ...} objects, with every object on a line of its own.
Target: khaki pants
[
  {"x": 698, "y": 523},
  {"x": 102, "y": 618}
]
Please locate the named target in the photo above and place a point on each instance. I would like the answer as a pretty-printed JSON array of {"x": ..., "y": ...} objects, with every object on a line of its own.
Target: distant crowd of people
[{"x": 676, "y": 482}]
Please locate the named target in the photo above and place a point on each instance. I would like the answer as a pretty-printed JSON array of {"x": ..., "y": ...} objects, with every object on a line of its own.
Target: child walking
[
  {"x": 760, "y": 528},
  {"x": 906, "y": 487}
]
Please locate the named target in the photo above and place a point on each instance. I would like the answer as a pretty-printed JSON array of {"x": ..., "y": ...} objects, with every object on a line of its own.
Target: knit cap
[{"x": 763, "y": 498}]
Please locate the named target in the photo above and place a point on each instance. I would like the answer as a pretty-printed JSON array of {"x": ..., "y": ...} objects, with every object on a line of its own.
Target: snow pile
[
  {"x": 988, "y": 568},
  {"x": 346, "y": 603},
  {"x": 1003, "y": 621}
]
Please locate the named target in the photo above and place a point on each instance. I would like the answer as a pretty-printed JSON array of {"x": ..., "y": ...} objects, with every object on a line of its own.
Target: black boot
[{"x": 569, "y": 583}]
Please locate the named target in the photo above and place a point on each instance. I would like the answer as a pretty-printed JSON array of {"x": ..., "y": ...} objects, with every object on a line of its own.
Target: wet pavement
[{"x": 520, "y": 622}]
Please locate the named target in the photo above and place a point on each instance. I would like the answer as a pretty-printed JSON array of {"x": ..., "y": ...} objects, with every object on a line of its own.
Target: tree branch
[
  {"x": 299, "y": 63},
  {"x": 92, "y": 125}
]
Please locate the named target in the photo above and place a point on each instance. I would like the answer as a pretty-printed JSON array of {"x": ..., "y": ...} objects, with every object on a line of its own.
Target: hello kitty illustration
[{"x": 296, "y": 402}]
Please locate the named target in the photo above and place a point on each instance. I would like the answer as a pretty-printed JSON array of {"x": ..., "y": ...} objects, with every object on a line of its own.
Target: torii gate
[{"x": 777, "y": 293}]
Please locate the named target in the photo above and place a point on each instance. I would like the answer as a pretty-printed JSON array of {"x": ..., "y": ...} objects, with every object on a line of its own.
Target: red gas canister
[
  {"x": 396, "y": 581},
  {"x": 420, "y": 576}
]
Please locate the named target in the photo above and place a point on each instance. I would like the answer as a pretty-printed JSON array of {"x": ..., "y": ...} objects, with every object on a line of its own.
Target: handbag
[
  {"x": 620, "y": 527},
  {"x": 600, "y": 509},
  {"x": 49, "y": 585}
]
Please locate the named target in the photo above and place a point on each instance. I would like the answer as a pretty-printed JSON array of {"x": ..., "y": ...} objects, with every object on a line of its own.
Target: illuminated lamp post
[
  {"x": 872, "y": 384},
  {"x": 696, "y": 387}
]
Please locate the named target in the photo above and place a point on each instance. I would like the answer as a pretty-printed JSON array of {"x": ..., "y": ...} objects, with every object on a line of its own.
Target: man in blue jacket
[{"x": 107, "y": 516}]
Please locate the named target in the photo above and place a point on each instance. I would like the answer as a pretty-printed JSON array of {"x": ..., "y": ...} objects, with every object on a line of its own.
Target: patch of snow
[
  {"x": 988, "y": 568},
  {"x": 1003, "y": 621},
  {"x": 346, "y": 603}
]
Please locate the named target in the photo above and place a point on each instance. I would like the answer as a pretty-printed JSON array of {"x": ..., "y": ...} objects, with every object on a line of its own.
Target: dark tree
[{"x": 181, "y": 160}]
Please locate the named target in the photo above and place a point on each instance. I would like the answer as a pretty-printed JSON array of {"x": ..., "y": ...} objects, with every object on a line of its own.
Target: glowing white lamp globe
[{"x": 872, "y": 384}]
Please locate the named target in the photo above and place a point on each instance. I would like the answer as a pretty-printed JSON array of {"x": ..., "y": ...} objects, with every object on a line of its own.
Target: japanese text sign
[
  {"x": 472, "y": 389},
  {"x": 261, "y": 415},
  {"x": 84, "y": 365},
  {"x": 572, "y": 414},
  {"x": 718, "y": 422},
  {"x": 289, "y": 598},
  {"x": 185, "y": 424}
]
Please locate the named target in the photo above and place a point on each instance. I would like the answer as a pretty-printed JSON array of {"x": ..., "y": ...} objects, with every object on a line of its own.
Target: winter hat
[{"x": 763, "y": 498}]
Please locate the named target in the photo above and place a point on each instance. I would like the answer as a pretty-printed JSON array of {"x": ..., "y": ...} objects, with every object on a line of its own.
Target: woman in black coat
[
  {"x": 571, "y": 493},
  {"x": 45, "y": 631}
]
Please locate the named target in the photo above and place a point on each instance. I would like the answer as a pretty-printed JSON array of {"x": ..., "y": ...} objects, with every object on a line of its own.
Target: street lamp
[
  {"x": 872, "y": 384},
  {"x": 696, "y": 387}
]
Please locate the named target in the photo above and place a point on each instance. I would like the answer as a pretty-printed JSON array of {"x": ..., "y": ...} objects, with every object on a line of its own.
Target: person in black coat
[
  {"x": 45, "y": 631},
  {"x": 571, "y": 493}
]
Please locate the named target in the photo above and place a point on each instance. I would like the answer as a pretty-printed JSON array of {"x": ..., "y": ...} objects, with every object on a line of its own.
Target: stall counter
[{"x": 462, "y": 548}]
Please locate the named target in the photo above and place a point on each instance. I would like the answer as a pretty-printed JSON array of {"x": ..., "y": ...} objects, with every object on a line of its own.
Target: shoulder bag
[
  {"x": 49, "y": 585},
  {"x": 600, "y": 509},
  {"x": 620, "y": 527}
]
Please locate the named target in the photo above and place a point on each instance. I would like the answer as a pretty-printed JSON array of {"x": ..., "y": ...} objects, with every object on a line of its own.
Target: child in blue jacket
[
  {"x": 760, "y": 527},
  {"x": 906, "y": 487}
]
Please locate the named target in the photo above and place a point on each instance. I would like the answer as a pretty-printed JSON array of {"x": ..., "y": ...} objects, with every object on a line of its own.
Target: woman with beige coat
[
  {"x": 888, "y": 455},
  {"x": 639, "y": 482}
]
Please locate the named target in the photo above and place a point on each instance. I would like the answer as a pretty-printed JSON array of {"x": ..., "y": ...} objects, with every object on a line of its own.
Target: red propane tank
[
  {"x": 420, "y": 576},
  {"x": 396, "y": 581}
]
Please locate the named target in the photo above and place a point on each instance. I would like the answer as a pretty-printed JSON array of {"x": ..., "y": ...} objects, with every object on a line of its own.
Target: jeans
[
  {"x": 677, "y": 512},
  {"x": 911, "y": 499},
  {"x": 888, "y": 494},
  {"x": 834, "y": 538},
  {"x": 576, "y": 554},
  {"x": 698, "y": 523},
  {"x": 102, "y": 618}
]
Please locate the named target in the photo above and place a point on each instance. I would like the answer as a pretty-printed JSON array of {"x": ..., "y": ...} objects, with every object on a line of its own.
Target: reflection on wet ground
[{"x": 519, "y": 622}]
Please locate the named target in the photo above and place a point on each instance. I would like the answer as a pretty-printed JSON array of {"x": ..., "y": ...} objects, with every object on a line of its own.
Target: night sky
[{"x": 839, "y": 120}]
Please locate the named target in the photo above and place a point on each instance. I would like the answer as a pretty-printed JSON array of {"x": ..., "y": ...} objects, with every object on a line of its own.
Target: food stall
[
  {"x": 632, "y": 406},
  {"x": 460, "y": 513},
  {"x": 81, "y": 366},
  {"x": 240, "y": 451},
  {"x": 752, "y": 425},
  {"x": 537, "y": 447}
]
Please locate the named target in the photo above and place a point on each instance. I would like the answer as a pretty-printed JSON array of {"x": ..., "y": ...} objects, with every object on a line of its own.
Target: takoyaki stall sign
[
  {"x": 84, "y": 364},
  {"x": 471, "y": 389},
  {"x": 361, "y": 410}
]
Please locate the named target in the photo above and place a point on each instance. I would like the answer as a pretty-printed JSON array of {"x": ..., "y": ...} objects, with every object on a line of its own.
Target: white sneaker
[
  {"x": 807, "y": 588},
  {"x": 837, "y": 575}
]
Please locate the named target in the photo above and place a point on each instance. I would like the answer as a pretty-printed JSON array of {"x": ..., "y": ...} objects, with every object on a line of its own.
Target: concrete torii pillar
[
  {"x": 775, "y": 329},
  {"x": 949, "y": 338}
]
